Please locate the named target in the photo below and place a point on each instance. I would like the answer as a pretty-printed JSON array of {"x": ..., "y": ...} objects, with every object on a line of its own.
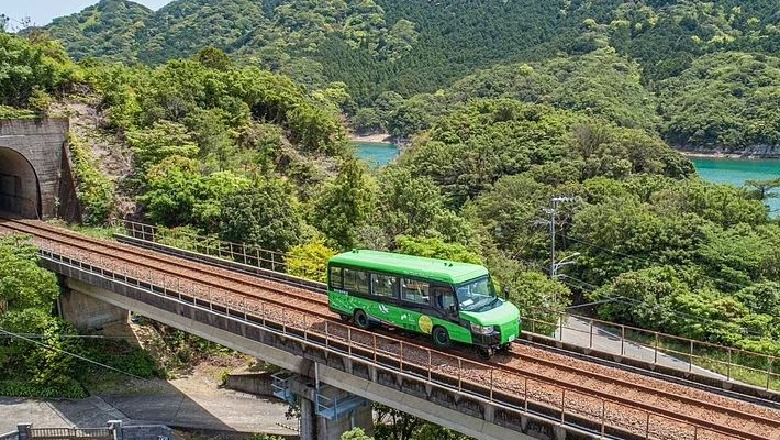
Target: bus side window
[
  {"x": 415, "y": 291},
  {"x": 361, "y": 279},
  {"x": 384, "y": 285},
  {"x": 336, "y": 277},
  {"x": 349, "y": 280},
  {"x": 443, "y": 297}
]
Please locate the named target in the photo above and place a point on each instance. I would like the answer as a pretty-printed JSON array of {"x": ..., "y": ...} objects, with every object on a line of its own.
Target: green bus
[{"x": 452, "y": 302}]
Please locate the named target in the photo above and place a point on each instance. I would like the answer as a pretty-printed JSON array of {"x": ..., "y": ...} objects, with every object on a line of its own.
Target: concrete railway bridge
[{"x": 335, "y": 370}]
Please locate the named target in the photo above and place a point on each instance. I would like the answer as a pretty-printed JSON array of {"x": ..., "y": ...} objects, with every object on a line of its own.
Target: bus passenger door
[
  {"x": 444, "y": 303},
  {"x": 445, "y": 309}
]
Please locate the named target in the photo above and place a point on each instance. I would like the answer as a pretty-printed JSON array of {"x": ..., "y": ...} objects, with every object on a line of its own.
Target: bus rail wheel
[
  {"x": 361, "y": 319},
  {"x": 484, "y": 353},
  {"x": 441, "y": 338}
]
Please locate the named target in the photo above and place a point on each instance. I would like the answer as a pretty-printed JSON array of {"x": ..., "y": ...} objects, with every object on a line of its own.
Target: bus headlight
[{"x": 476, "y": 328}]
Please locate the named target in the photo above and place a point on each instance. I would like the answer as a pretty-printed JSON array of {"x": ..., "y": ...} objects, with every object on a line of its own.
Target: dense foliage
[
  {"x": 42, "y": 364},
  {"x": 95, "y": 192},
  {"x": 244, "y": 140},
  {"x": 729, "y": 101}
]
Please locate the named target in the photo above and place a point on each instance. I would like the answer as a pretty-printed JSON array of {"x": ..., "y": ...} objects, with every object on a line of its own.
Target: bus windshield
[{"x": 477, "y": 296}]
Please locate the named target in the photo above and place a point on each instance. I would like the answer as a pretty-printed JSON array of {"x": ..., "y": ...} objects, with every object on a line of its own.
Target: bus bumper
[{"x": 490, "y": 341}]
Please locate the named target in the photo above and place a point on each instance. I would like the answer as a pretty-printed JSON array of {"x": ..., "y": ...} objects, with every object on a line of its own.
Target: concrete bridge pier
[
  {"x": 87, "y": 313},
  {"x": 318, "y": 427},
  {"x": 326, "y": 412}
]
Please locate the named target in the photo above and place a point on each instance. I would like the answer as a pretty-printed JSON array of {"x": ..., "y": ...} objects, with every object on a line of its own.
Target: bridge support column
[
  {"x": 308, "y": 419},
  {"x": 89, "y": 314},
  {"x": 319, "y": 427},
  {"x": 326, "y": 412}
]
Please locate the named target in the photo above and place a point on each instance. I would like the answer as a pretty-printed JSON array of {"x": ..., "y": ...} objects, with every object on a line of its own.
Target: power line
[{"x": 78, "y": 356}]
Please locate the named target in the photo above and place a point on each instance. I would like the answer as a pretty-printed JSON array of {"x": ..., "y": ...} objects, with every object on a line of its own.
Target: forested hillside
[
  {"x": 388, "y": 51},
  {"x": 107, "y": 29}
]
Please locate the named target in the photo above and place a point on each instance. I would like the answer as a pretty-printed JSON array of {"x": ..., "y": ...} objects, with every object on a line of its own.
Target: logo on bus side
[{"x": 425, "y": 323}]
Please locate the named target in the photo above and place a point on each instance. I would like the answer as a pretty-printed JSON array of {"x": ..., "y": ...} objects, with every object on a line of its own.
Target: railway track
[{"x": 637, "y": 394}]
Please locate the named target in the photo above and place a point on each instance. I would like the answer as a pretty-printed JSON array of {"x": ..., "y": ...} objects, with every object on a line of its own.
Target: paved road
[
  {"x": 158, "y": 403},
  {"x": 577, "y": 331}
]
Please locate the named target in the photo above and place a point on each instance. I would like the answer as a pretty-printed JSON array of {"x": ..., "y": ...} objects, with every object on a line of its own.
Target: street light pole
[{"x": 563, "y": 262}]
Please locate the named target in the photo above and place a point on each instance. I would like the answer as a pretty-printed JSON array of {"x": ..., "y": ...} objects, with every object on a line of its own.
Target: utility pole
[{"x": 553, "y": 216}]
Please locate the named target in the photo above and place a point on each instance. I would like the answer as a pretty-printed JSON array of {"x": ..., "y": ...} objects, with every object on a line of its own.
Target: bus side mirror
[{"x": 506, "y": 292}]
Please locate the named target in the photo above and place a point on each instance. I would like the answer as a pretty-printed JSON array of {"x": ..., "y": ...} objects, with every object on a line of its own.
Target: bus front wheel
[
  {"x": 361, "y": 319},
  {"x": 441, "y": 338}
]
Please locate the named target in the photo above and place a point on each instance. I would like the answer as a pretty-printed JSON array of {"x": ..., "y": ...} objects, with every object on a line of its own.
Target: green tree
[
  {"x": 436, "y": 248},
  {"x": 367, "y": 121},
  {"x": 42, "y": 366},
  {"x": 345, "y": 204},
  {"x": 27, "y": 296},
  {"x": 30, "y": 67},
  {"x": 537, "y": 296},
  {"x": 623, "y": 235},
  {"x": 723, "y": 100},
  {"x": 173, "y": 187},
  {"x": 264, "y": 214},
  {"x": 151, "y": 146},
  {"x": 414, "y": 206},
  {"x": 213, "y": 190},
  {"x": 507, "y": 213},
  {"x": 309, "y": 260},
  {"x": 213, "y": 58},
  {"x": 636, "y": 298},
  {"x": 764, "y": 187},
  {"x": 24, "y": 284},
  {"x": 355, "y": 434}
]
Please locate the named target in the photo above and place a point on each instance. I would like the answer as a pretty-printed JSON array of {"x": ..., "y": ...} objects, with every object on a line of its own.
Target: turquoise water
[
  {"x": 736, "y": 171},
  {"x": 376, "y": 154}
]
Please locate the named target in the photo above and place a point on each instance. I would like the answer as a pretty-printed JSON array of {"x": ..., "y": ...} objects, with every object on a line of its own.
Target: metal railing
[
  {"x": 645, "y": 345},
  {"x": 650, "y": 346},
  {"x": 242, "y": 253},
  {"x": 511, "y": 390},
  {"x": 13, "y": 435},
  {"x": 71, "y": 433}
]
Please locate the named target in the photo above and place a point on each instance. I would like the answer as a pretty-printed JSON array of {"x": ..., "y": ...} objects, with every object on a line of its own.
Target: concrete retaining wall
[
  {"x": 252, "y": 383},
  {"x": 147, "y": 433}
]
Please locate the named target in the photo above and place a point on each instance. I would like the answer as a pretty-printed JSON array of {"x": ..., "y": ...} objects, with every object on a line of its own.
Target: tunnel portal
[
  {"x": 19, "y": 187},
  {"x": 35, "y": 177}
]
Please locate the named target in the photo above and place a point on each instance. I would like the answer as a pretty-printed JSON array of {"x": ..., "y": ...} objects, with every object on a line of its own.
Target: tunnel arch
[{"x": 20, "y": 191}]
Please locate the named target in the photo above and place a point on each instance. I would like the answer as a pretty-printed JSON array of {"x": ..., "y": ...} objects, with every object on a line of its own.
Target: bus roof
[{"x": 409, "y": 265}]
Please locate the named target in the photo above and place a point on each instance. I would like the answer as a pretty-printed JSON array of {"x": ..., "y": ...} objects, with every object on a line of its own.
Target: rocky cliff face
[{"x": 763, "y": 150}]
